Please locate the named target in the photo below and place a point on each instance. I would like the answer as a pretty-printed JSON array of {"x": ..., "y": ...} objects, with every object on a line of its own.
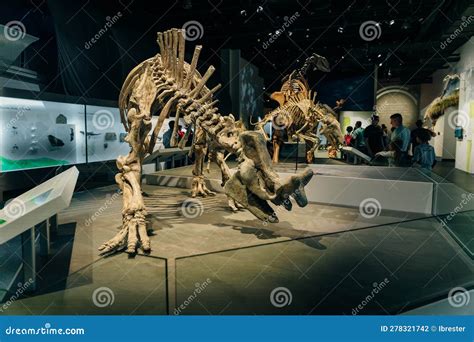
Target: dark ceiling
[{"x": 407, "y": 46}]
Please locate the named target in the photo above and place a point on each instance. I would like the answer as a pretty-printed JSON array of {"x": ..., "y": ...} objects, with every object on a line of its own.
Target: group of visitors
[
  {"x": 375, "y": 141},
  {"x": 179, "y": 134}
]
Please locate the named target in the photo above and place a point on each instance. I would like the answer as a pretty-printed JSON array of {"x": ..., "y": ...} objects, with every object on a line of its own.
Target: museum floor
[{"x": 327, "y": 259}]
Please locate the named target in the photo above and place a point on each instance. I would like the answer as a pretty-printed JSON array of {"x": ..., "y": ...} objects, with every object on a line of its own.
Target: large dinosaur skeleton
[
  {"x": 299, "y": 115},
  {"x": 165, "y": 83}
]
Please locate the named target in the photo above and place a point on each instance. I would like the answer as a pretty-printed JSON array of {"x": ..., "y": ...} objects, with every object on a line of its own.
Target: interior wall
[
  {"x": 397, "y": 99},
  {"x": 462, "y": 149},
  {"x": 349, "y": 118}
]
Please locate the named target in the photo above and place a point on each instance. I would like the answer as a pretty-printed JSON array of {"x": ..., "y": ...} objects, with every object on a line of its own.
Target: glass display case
[
  {"x": 39, "y": 134},
  {"x": 105, "y": 134}
]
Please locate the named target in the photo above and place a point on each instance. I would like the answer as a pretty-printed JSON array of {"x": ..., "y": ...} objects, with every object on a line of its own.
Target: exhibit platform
[
  {"x": 392, "y": 188},
  {"x": 321, "y": 259}
]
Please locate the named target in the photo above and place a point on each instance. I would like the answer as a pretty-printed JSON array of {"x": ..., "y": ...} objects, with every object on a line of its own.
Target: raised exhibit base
[{"x": 391, "y": 188}]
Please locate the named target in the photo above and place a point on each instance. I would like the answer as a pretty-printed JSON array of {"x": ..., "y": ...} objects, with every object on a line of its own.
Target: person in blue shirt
[
  {"x": 358, "y": 137},
  {"x": 401, "y": 134},
  {"x": 424, "y": 154}
]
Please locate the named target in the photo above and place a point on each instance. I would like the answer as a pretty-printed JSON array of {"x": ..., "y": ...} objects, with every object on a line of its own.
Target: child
[
  {"x": 393, "y": 154},
  {"x": 348, "y": 136},
  {"x": 424, "y": 154}
]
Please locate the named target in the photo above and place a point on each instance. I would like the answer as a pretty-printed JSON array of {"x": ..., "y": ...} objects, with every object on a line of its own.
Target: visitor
[
  {"x": 393, "y": 154},
  {"x": 424, "y": 155},
  {"x": 168, "y": 134},
  {"x": 348, "y": 136},
  {"x": 373, "y": 136},
  {"x": 415, "y": 134},
  {"x": 401, "y": 134},
  {"x": 347, "y": 142},
  {"x": 180, "y": 132},
  {"x": 358, "y": 140}
]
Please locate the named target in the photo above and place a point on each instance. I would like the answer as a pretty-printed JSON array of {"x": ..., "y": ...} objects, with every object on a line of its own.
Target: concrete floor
[{"x": 327, "y": 259}]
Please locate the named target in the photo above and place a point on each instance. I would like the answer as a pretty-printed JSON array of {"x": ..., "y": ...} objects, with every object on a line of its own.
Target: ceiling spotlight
[
  {"x": 380, "y": 64},
  {"x": 307, "y": 36},
  {"x": 290, "y": 33},
  {"x": 406, "y": 25},
  {"x": 342, "y": 57},
  {"x": 307, "y": 30},
  {"x": 259, "y": 9},
  {"x": 379, "y": 55},
  {"x": 391, "y": 22},
  {"x": 340, "y": 29},
  {"x": 277, "y": 32},
  {"x": 243, "y": 13},
  {"x": 389, "y": 72}
]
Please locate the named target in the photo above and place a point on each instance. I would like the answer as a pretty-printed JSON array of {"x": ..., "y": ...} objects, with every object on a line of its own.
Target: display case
[
  {"x": 37, "y": 134},
  {"x": 105, "y": 134}
]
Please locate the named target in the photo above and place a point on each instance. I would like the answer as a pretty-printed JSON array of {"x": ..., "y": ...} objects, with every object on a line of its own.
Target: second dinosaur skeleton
[
  {"x": 299, "y": 115},
  {"x": 165, "y": 83}
]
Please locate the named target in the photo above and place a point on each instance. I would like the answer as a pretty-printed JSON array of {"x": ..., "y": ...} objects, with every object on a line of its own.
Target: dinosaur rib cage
[{"x": 179, "y": 87}]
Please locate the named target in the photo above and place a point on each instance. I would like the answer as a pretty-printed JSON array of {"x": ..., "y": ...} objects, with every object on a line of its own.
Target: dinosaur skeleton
[
  {"x": 299, "y": 115},
  {"x": 449, "y": 98},
  {"x": 164, "y": 83}
]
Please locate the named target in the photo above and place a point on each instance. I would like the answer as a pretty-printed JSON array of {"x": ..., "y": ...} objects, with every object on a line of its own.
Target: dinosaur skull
[
  {"x": 229, "y": 134},
  {"x": 255, "y": 182}
]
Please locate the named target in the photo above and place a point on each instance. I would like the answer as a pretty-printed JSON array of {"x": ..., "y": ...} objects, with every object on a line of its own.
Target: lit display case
[
  {"x": 37, "y": 134},
  {"x": 105, "y": 134}
]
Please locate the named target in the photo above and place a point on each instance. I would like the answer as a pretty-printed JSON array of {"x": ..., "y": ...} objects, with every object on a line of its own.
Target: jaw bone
[{"x": 255, "y": 182}]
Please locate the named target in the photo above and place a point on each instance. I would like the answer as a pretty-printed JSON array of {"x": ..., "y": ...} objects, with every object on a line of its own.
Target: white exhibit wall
[
  {"x": 446, "y": 145},
  {"x": 464, "y": 151},
  {"x": 349, "y": 118}
]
